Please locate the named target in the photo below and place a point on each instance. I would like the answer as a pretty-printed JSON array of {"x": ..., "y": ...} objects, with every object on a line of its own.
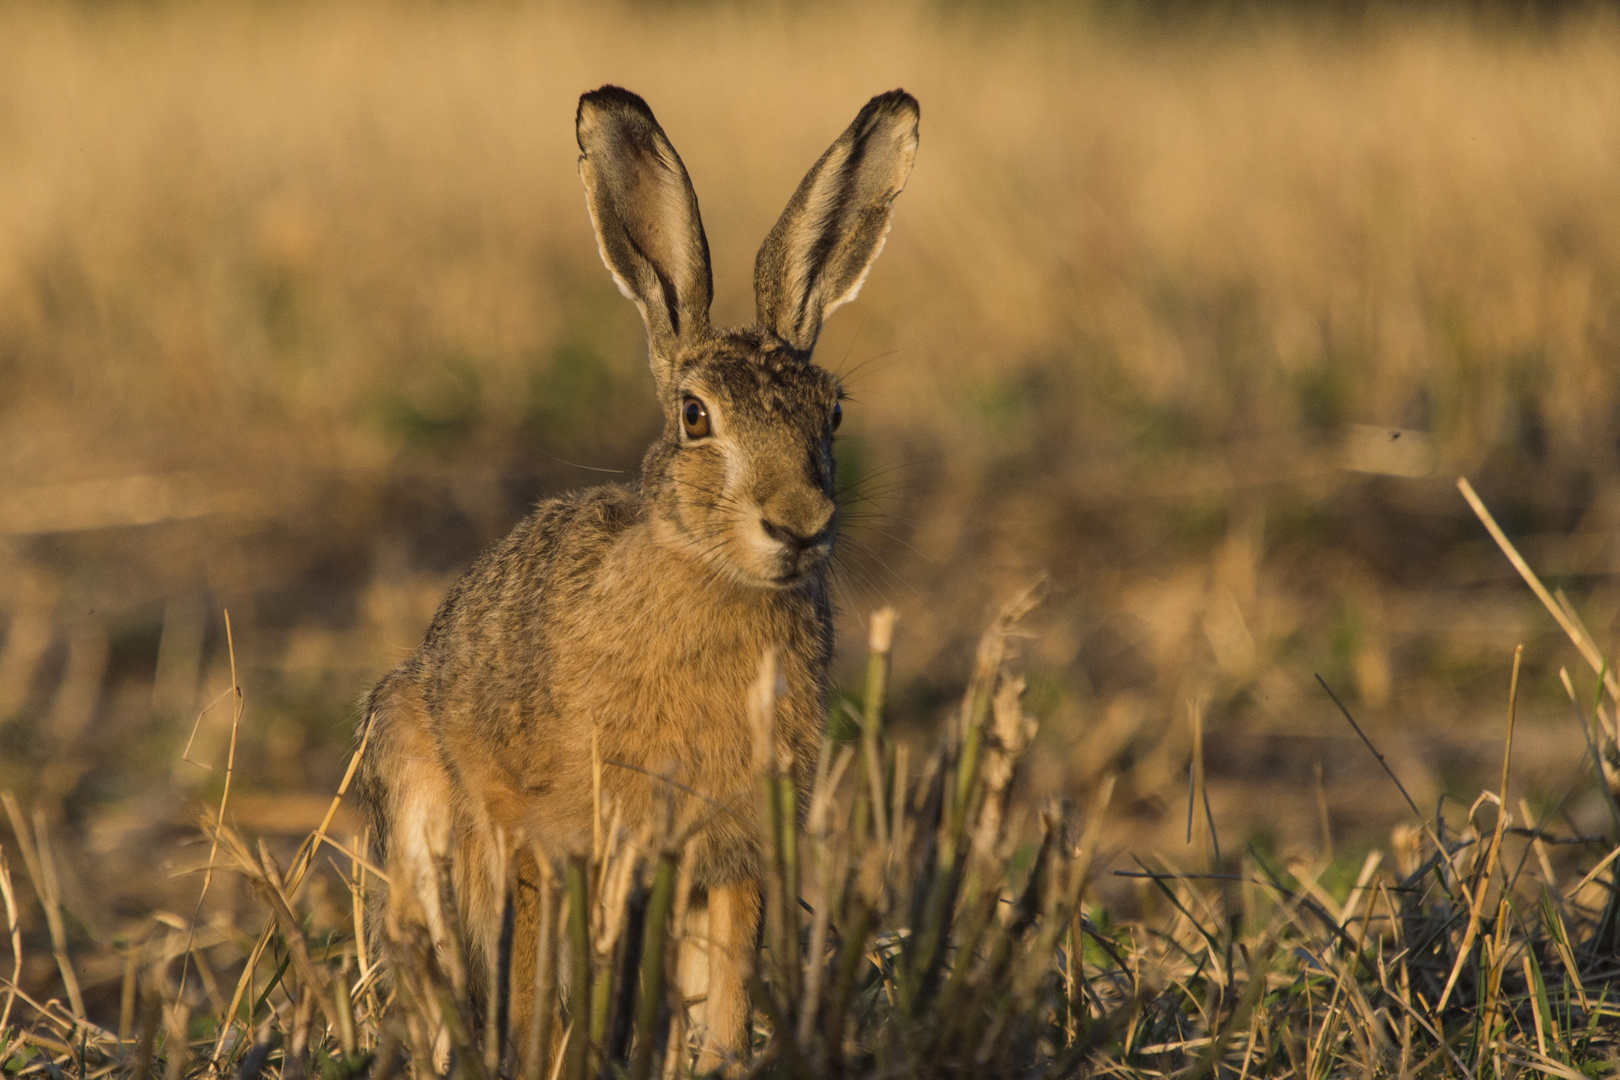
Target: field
[{"x": 1200, "y": 320}]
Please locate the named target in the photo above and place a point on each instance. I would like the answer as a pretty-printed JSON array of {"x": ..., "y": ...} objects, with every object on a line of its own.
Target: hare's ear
[
  {"x": 817, "y": 255},
  {"x": 646, "y": 218}
]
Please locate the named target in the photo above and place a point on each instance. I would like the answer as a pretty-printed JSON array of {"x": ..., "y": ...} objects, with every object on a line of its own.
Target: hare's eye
[
  {"x": 694, "y": 418},
  {"x": 837, "y": 415}
]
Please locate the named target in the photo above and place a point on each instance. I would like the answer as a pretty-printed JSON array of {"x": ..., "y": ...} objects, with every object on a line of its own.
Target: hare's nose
[{"x": 798, "y": 537}]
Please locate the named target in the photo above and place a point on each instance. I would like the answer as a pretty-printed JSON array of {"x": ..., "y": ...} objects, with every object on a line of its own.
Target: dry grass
[
  {"x": 299, "y": 308},
  {"x": 937, "y": 937}
]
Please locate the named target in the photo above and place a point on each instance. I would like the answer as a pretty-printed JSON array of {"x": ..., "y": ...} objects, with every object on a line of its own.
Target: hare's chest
[
  {"x": 677, "y": 696},
  {"x": 655, "y": 663}
]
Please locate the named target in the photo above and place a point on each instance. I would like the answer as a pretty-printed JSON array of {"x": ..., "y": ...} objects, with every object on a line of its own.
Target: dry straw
[{"x": 942, "y": 938}]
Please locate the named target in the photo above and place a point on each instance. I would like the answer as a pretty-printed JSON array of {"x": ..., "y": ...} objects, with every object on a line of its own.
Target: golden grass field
[{"x": 300, "y": 309}]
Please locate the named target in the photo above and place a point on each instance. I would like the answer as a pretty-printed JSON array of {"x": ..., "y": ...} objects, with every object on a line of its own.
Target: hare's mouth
[
  {"x": 781, "y": 569},
  {"x": 801, "y": 565},
  {"x": 788, "y": 560},
  {"x": 796, "y": 576},
  {"x": 754, "y": 556}
]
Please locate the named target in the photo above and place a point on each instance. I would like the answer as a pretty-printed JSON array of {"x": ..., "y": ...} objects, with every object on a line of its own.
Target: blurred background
[{"x": 1199, "y": 310}]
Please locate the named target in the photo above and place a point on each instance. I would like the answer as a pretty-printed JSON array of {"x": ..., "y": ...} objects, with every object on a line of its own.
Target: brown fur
[{"x": 641, "y": 613}]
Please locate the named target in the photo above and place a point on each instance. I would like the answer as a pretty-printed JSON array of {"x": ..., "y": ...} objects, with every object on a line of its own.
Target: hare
[{"x": 640, "y": 613}]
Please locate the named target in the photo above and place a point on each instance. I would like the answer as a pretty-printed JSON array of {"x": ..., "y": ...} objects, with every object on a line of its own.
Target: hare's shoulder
[
  {"x": 547, "y": 556},
  {"x": 563, "y": 533}
]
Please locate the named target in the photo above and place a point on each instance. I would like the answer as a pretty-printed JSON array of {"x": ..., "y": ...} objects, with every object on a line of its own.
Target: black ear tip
[
  {"x": 895, "y": 109},
  {"x": 895, "y": 102},
  {"x": 612, "y": 98}
]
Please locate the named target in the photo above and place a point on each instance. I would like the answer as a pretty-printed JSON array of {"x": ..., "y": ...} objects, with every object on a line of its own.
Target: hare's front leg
[
  {"x": 409, "y": 794},
  {"x": 733, "y": 938}
]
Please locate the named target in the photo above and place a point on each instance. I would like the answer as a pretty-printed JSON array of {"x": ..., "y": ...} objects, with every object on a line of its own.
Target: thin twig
[
  {"x": 1582, "y": 640},
  {"x": 1476, "y": 908},
  {"x": 14, "y": 927},
  {"x": 224, "y": 797},
  {"x": 1381, "y": 760},
  {"x": 674, "y": 783}
]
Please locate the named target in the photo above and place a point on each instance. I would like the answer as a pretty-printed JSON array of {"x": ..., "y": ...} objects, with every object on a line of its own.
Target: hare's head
[{"x": 742, "y": 478}]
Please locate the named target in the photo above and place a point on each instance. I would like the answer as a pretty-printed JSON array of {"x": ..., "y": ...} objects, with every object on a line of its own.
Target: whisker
[
  {"x": 860, "y": 515},
  {"x": 844, "y": 580},
  {"x": 894, "y": 539},
  {"x": 877, "y": 563},
  {"x": 859, "y": 370},
  {"x": 578, "y": 465}
]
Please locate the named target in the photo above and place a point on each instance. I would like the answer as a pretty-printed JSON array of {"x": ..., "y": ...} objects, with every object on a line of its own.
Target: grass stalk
[
  {"x": 1496, "y": 839},
  {"x": 542, "y": 1024},
  {"x": 576, "y": 1063},
  {"x": 790, "y": 967},
  {"x": 42, "y": 875},
  {"x": 880, "y": 639},
  {"x": 14, "y": 931},
  {"x": 654, "y": 951}
]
